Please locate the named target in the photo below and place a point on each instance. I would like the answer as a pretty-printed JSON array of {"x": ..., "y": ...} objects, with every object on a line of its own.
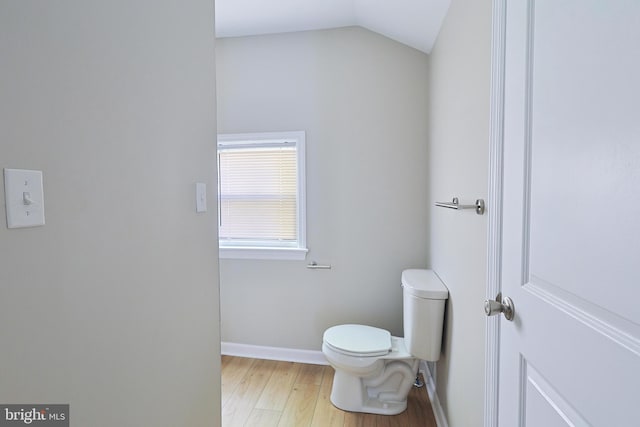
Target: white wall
[
  {"x": 362, "y": 99},
  {"x": 112, "y": 306},
  {"x": 458, "y": 166}
]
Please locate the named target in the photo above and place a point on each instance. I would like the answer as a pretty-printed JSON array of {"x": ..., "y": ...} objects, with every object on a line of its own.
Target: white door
[{"x": 570, "y": 258}]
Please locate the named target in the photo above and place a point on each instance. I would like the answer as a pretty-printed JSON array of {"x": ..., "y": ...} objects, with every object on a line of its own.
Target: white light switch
[
  {"x": 24, "y": 198},
  {"x": 201, "y": 197}
]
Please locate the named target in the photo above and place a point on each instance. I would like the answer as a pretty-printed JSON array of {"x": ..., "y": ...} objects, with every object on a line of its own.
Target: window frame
[{"x": 242, "y": 250}]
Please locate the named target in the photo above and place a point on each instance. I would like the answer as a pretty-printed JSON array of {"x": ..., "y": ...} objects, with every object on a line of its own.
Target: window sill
[{"x": 245, "y": 252}]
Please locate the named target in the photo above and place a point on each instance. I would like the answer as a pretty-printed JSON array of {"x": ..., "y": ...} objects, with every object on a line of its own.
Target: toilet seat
[{"x": 358, "y": 340}]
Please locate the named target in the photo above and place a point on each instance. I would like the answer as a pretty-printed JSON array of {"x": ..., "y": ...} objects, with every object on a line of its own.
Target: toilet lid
[{"x": 358, "y": 340}]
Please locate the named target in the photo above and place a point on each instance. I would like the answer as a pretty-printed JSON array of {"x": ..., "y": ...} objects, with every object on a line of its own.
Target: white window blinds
[{"x": 258, "y": 194}]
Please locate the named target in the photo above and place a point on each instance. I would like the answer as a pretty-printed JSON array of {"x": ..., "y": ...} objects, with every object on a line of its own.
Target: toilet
[{"x": 374, "y": 371}]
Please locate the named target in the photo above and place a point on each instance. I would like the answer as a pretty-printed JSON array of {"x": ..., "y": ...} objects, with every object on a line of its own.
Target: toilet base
[
  {"x": 385, "y": 394},
  {"x": 373, "y": 406}
]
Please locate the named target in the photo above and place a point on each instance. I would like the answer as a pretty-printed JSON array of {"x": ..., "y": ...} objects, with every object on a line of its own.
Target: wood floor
[{"x": 264, "y": 393}]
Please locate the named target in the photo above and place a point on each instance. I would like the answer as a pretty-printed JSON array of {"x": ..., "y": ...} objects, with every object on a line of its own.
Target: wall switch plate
[
  {"x": 201, "y": 197},
  {"x": 24, "y": 198}
]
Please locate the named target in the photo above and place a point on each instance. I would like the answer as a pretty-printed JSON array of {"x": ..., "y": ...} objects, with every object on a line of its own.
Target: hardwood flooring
[{"x": 268, "y": 393}]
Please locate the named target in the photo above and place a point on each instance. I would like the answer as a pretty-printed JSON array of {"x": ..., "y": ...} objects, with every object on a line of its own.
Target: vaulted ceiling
[{"x": 415, "y": 23}]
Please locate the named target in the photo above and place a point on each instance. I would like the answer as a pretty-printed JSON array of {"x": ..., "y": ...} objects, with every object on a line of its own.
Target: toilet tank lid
[{"x": 424, "y": 284}]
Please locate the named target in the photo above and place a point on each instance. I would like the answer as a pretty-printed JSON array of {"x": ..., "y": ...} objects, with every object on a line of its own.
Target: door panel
[
  {"x": 544, "y": 406},
  {"x": 584, "y": 128},
  {"x": 571, "y": 214}
]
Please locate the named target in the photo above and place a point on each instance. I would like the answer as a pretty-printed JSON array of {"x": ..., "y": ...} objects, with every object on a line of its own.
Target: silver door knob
[{"x": 500, "y": 305}]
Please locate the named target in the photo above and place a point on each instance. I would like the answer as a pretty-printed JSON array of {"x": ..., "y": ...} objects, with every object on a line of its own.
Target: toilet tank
[{"x": 424, "y": 298}]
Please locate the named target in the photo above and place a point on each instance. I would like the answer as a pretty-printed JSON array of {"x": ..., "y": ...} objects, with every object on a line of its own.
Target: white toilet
[{"x": 374, "y": 370}]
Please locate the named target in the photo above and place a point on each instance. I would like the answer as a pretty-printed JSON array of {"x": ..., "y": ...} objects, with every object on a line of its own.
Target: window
[{"x": 261, "y": 192}]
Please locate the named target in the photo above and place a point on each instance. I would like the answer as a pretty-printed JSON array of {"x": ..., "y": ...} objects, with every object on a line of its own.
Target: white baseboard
[
  {"x": 438, "y": 412},
  {"x": 273, "y": 353}
]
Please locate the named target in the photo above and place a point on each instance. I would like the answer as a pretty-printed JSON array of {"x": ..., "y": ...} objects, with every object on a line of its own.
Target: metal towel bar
[
  {"x": 315, "y": 266},
  {"x": 455, "y": 204}
]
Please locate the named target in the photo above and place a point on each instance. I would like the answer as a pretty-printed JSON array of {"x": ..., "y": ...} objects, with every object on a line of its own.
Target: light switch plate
[
  {"x": 24, "y": 198},
  {"x": 201, "y": 197}
]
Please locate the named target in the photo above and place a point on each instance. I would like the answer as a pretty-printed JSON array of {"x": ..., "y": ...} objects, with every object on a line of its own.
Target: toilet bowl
[
  {"x": 374, "y": 371},
  {"x": 366, "y": 380}
]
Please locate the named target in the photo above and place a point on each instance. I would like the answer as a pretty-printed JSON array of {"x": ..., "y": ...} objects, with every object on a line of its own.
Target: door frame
[{"x": 494, "y": 209}]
